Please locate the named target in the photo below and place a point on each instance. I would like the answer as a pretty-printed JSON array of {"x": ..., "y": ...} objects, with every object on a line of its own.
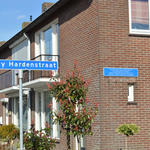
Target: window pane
[
  {"x": 48, "y": 41},
  {"x": 17, "y": 111},
  {"x": 140, "y": 14},
  {"x": 48, "y": 119},
  {"x": 25, "y": 113}
]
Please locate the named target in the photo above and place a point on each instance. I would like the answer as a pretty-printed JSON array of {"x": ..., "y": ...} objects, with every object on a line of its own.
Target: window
[
  {"x": 48, "y": 119},
  {"x": 130, "y": 92},
  {"x": 15, "y": 110},
  {"x": 42, "y": 112},
  {"x": 25, "y": 114},
  {"x": 139, "y": 16},
  {"x": 46, "y": 42}
]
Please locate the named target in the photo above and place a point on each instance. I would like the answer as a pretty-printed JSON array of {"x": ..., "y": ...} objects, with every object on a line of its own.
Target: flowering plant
[
  {"x": 75, "y": 115},
  {"x": 39, "y": 140}
]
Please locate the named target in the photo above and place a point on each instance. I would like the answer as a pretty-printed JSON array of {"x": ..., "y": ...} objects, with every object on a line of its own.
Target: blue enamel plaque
[
  {"x": 121, "y": 72},
  {"x": 28, "y": 65}
]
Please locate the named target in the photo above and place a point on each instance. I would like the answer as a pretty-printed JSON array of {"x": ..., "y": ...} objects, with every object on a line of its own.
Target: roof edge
[{"x": 38, "y": 20}]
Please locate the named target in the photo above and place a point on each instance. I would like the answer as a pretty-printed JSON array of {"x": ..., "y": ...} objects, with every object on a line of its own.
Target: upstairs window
[
  {"x": 46, "y": 42},
  {"x": 139, "y": 16}
]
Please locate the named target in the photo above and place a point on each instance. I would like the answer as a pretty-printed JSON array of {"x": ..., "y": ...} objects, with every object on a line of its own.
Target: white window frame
[
  {"x": 137, "y": 31},
  {"x": 39, "y": 39},
  {"x": 40, "y": 122},
  {"x": 15, "y": 112},
  {"x": 1, "y": 120},
  {"x": 131, "y": 92}
]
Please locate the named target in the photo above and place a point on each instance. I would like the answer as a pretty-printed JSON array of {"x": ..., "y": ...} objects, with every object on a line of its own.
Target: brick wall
[
  {"x": 78, "y": 40},
  {"x": 96, "y": 34},
  {"x": 119, "y": 49}
]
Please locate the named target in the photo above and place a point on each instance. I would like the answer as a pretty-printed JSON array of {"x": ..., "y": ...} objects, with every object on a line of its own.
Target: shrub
[
  {"x": 39, "y": 140},
  {"x": 128, "y": 129},
  {"x": 9, "y": 132}
]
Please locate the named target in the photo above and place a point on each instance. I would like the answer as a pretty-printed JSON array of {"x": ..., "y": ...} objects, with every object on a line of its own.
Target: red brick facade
[
  {"x": 118, "y": 48},
  {"x": 96, "y": 34},
  {"x": 78, "y": 40}
]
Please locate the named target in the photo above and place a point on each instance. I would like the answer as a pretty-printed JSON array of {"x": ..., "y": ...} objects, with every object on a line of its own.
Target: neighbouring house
[{"x": 111, "y": 42}]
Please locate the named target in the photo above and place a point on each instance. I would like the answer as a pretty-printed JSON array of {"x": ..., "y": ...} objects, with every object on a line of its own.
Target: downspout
[
  {"x": 29, "y": 57},
  {"x": 29, "y": 91}
]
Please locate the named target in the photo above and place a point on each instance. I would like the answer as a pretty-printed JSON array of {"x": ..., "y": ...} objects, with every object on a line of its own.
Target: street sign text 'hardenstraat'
[{"x": 28, "y": 65}]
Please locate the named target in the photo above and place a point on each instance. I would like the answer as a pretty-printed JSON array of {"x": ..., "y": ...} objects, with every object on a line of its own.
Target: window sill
[
  {"x": 139, "y": 34},
  {"x": 131, "y": 103}
]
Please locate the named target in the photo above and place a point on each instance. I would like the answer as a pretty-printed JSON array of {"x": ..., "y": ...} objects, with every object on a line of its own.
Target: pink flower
[
  {"x": 76, "y": 128},
  {"x": 61, "y": 82},
  {"x": 67, "y": 89},
  {"x": 48, "y": 85},
  {"x": 82, "y": 80},
  {"x": 54, "y": 83},
  {"x": 69, "y": 84}
]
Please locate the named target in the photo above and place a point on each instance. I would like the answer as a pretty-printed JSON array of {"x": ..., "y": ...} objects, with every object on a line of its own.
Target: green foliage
[
  {"x": 128, "y": 129},
  {"x": 39, "y": 140},
  {"x": 9, "y": 132},
  {"x": 71, "y": 94}
]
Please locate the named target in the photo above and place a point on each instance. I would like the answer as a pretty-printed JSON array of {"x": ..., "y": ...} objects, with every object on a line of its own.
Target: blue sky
[{"x": 14, "y": 12}]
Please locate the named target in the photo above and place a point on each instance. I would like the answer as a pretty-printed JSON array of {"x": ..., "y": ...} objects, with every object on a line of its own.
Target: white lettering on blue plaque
[
  {"x": 28, "y": 65},
  {"x": 121, "y": 72}
]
